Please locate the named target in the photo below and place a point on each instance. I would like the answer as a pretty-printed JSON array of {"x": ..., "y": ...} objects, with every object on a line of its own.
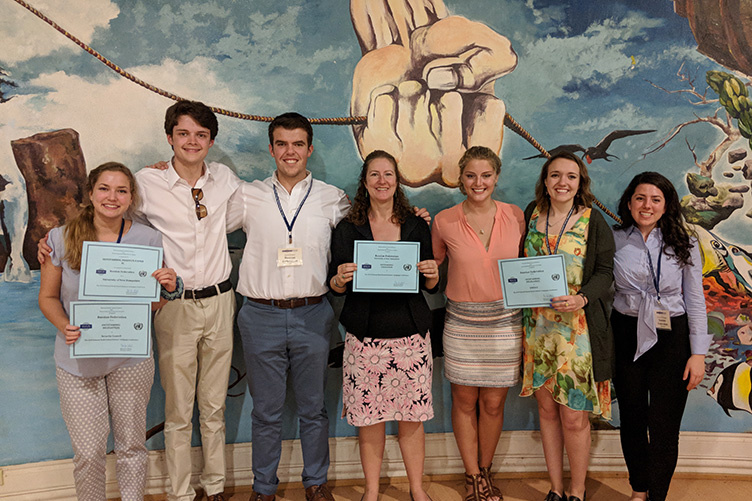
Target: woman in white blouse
[{"x": 660, "y": 329}]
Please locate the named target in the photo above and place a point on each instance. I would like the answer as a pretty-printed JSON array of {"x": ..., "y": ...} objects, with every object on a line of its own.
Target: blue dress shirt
[{"x": 680, "y": 288}]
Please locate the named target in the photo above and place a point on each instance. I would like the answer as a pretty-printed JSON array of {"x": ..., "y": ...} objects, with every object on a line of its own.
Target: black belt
[
  {"x": 287, "y": 304},
  {"x": 208, "y": 291}
]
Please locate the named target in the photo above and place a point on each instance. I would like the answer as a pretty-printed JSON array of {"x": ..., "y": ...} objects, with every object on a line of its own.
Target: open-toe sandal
[
  {"x": 476, "y": 492},
  {"x": 488, "y": 488}
]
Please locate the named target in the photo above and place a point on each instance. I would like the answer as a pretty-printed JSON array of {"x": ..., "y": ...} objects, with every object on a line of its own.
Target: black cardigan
[
  {"x": 597, "y": 281},
  {"x": 356, "y": 310}
]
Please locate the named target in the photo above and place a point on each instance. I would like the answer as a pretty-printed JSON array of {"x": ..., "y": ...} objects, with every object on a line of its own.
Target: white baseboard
[{"x": 518, "y": 452}]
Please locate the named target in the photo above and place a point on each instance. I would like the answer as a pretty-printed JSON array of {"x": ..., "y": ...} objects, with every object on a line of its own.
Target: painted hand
[{"x": 426, "y": 85}]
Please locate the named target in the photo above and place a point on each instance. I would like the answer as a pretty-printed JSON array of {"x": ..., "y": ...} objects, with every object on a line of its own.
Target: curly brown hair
[
  {"x": 358, "y": 214},
  {"x": 674, "y": 230},
  {"x": 583, "y": 198}
]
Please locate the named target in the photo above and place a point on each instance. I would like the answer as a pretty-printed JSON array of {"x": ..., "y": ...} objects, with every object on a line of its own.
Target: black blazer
[
  {"x": 357, "y": 307},
  {"x": 597, "y": 281}
]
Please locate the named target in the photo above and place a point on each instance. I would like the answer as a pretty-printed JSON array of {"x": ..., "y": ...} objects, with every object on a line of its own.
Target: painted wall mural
[{"x": 631, "y": 85}]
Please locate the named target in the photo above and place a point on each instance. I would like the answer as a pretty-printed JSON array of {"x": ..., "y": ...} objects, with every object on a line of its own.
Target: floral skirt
[
  {"x": 557, "y": 358},
  {"x": 387, "y": 380}
]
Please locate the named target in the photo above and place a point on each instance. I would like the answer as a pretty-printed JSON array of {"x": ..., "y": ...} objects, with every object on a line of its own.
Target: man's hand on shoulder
[
  {"x": 161, "y": 165},
  {"x": 43, "y": 248}
]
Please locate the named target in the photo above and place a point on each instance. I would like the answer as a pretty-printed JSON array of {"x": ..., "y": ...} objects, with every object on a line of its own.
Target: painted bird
[{"x": 597, "y": 151}]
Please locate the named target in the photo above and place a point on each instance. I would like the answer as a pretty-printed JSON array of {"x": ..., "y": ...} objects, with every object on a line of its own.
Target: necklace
[{"x": 475, "y": 223}]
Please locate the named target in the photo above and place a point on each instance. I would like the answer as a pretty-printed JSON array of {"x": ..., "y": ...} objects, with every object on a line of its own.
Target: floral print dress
[{"x": 556, "y": 348}]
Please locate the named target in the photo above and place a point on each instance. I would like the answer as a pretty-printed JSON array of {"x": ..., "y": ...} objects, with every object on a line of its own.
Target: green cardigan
[{"x": 597, "y": 286}]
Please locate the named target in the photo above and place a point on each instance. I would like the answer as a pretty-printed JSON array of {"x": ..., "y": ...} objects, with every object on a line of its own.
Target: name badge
[
  {"x": 289, "y": 256},
  {"x": 662, "y": 318}
]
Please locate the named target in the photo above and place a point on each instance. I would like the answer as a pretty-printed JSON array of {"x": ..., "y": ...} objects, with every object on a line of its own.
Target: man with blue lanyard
[{"x": 286, "y": 320}]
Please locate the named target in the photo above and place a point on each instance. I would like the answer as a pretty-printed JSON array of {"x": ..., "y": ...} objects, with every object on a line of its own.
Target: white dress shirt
[
  {"x": 255, "y": 208},
  {"x": 197, "y": 250}
]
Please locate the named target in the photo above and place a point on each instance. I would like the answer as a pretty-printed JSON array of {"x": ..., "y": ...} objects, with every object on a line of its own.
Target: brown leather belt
[
  {"x": 208, "y": 291},
  {"x": 287, "y": 304}
]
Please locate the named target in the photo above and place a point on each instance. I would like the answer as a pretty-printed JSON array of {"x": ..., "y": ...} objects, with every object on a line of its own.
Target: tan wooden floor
[{"x": 600, "y": 487}]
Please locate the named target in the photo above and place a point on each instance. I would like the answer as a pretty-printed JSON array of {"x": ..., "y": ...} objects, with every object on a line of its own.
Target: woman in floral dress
[
  {"x": 568, "y": 347},
  {"x": 387, "y": 362}
]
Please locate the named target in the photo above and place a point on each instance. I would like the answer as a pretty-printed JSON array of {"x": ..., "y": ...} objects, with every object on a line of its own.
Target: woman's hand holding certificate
[
  {"x": 386, "y": 266},
  {"x": 117, "y": 272},
  {"x": 532, "y": 282}
]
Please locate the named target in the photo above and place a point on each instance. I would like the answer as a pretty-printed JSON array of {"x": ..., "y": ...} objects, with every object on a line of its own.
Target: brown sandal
[
  {"x": 488, "y": 487},
  {"x": 474, "y": 481}
]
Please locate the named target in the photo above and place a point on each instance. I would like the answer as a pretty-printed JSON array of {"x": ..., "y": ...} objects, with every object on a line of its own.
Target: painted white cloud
[
  {"x": 548, "y": 16},
  {"x": 27, "y": 36},
  {"x": 116, "y": 119},
  {"x": 627, "y": 116},
  {"x": 599, "y": 56}
]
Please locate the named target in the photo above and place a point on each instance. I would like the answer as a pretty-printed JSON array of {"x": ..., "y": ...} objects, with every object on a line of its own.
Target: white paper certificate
[
  {"x": 386, "y": 266},
  {"x": 119, "y": 272},
  {"x": 532, "y": 282},
  {"x": 111, "y": 330}
]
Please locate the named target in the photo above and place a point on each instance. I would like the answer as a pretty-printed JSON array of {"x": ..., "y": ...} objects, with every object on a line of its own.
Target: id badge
[
  {"x": 289, "y": 256},
  {"x": 662, "y": 318}
]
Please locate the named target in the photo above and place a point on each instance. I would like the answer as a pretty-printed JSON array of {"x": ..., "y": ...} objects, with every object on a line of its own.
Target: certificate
[
  {"x": 386, "y": 266},
  {"x": 119, "y": 272},
  {"x": 111, "y": 330},
  {"x": 532, "y": 282}
]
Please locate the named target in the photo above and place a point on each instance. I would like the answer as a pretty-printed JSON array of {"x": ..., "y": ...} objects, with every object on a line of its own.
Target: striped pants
[{"x": 87, "y": 403}]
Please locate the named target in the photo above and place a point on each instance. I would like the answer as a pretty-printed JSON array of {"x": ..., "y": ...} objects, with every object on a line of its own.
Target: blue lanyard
[
  {"x": 563, "y": 227},
  {"x": 656, "y": 277},
  {"x": 122, "y": 227},
  {"x": 297, "y": 211}
]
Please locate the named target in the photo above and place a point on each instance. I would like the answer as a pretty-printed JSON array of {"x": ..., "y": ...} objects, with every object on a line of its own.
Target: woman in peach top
[{"x": 482, "y": 339}]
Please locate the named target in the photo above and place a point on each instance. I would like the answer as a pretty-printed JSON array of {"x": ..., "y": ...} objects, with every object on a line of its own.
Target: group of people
[{"x": 301, "y": 234}]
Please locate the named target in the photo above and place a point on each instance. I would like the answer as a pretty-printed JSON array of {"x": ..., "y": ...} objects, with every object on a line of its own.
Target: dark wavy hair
[
  {"x": 201, "y": 113},
  {"x": 583, "y": 198},
  {"x": 478, "y": 153},
  {"x": 358, "y": 214},
  {"x": 676, "y": 234}
]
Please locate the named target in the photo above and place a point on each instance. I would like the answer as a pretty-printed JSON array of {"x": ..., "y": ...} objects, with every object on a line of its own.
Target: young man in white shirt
[
  {"x": 286, "y": 321},
  {"x": 188, "y": 203}
]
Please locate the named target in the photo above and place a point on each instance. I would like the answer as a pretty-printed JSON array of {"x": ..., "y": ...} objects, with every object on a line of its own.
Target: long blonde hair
[{"x": 81, "y": 228}]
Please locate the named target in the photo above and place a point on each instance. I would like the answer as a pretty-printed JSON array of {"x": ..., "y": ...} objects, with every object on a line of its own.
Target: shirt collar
[
  {"x": 303, "y": 183},
  {"x": 634, "y": 232},
  {"x": 173, "y": 177}
]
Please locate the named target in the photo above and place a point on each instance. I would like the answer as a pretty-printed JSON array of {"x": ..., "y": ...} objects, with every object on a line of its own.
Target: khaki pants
[{"x": 194, "y": 341}]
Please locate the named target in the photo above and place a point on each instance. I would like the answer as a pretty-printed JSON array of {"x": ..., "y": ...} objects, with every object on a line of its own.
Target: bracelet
[
  {"x": 336, "y": 284},
  {"x": 174, "y": 294},
  {"x": 584, "y": 297}
]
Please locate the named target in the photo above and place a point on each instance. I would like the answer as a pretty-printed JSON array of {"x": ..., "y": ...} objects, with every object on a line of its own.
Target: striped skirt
[{"x": 482, "y": 344}]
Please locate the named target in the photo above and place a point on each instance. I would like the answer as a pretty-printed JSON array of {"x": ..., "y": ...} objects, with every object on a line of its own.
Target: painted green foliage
[{"x": 734, "y": 97}]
